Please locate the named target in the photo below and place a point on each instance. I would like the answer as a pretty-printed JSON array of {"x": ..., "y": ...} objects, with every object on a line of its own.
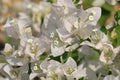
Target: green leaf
[
  {"x": 94, "y": 56},
  {"x": 73, "y": 54},
  {"x": 103, "y": 29},
  {"x": 55, "y": 58},
  {"x": 117, "y": 15},
  {"x": 75, "y": 1},
  {"x": 58, "y": 58},
  {"x": 117, "y": 30},
  {"x": 87, "y": 3},
  {"x": 105, "y": 15},
  {"x": 65, "y": 56},
  {"x": 9, "y": 39},
  {"x": 43, "y": 56},
  {"x": 81, "y": 78},
  {"x": 108, "y": 7},
  {"x": 29, "y": 70}
]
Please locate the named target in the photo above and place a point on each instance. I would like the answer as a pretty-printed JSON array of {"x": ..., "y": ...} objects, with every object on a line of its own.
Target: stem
[
  {"x": 61, "y": 59},
  {"x": 29, "y": 69}
]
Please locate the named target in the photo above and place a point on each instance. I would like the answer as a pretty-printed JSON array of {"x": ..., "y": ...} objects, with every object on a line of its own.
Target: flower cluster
[{"x": 60, "y": 41}]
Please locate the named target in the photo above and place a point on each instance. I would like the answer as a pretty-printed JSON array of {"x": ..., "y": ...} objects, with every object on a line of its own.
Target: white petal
[
  {"x": 15, "y": 61},
  {"x": 68, "y": 26},
  {"x": 96, "y": 14},
  {"x": 12, "y": 29},
  {"x": 91, "y": 74},
  {"x": 25, "y": 76},
  {"x": 109, "y": 77},
  {"x": 44, "y": 65},
  {"x": 72, "y": 47},
  {"x": 57, "y": 51},
  {"x": 70, "y": 63},
  {"x": 86, "y": 50},
  {"x": 80, "y": 73},
  {"x": 33, "y": 75},
  {"x": 7, "y": 69}
]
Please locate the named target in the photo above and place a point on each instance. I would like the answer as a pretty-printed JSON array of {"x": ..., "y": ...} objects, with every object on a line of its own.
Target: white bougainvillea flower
[
  {"x": 108, "y": 53},
  {"x": 10, "y": 71},
  {"x": 39, "y": 11},
  {"x": 90, "y": 16},
  {"x": 24, "y": 25},
  {"x": 16, "y": 61},
  {"x": 51, "y": 23},
  {"x": 57, "y": 51},
  {"x": 94, "y": 65},
  {"x": 44, "y": 31},
  {"x": 97, "y": 38},
  {"x": 64, "y": 35},
  {"x": 16, "y": 27},
  {"x": 33, "y": 75},
  {"x": 86, "y": 50},
  {"x": 52, "y": 69},
  {"x": 8, "y": 50},
  {"x": 24, "y": 76},
  {"x": 111, "y": 77},
  {"x": 35, "y": 71},
  {"x": 11, "y": 28},
  {"x": 91, "y": 75},
  {"x": 67, "y": 5},
  {"x": 34, "y": 48},
  {"x": 82, "y": 32},
  {"x": 37, "y": 76},
  {"x": 14, "y": 57},
  {"x": 71, "y": 70},
  {"x": 82, "y": 21},
  {"x": 94, "y": 15},
  {"x": 91, "y": 57}
]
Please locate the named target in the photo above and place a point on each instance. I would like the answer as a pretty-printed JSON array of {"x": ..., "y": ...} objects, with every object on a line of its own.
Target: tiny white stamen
[
  {"x": 56, "y": 42},
  {"x": 35, "y": 67},
  {"x": 29, "y": 40},
  {"x": 91, "y": 17},
  {"x": 12, "y": 22},
  {"x": 94, "y": 30},
  {"x": 52, "y": 34},
  {"x": 93, "y": 12}
]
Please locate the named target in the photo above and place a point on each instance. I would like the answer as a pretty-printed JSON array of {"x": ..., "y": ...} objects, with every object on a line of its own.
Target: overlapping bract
[{"x": 52, "y": 31}]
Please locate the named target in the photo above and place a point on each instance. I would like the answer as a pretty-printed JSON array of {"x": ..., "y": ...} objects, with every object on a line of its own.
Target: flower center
[
  {"x": 69, "y": 70},
  {"x": 52, "y": 75},
  {"x": 52, "y": 34},
  {"x": 13, "y": 23},
  {"x": 34, "y": 48},
  {"x": 56, "y": 42},
  {"x": 108, "y": 54}
]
